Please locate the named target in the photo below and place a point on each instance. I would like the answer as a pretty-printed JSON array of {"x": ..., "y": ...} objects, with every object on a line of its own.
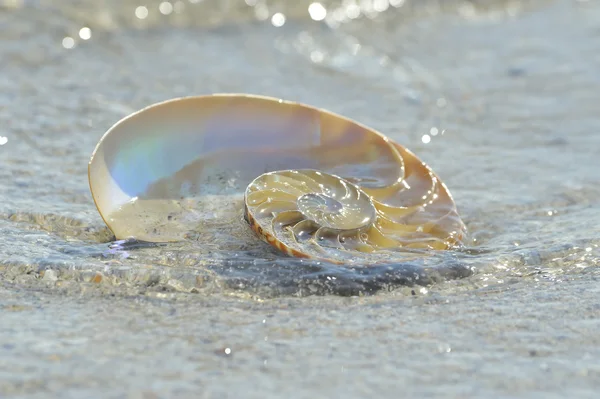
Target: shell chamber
[{"x": 309, "y": 213}]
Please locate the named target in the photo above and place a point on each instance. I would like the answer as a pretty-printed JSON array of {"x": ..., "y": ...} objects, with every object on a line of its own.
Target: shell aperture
[{"x": 313, "y": 184}]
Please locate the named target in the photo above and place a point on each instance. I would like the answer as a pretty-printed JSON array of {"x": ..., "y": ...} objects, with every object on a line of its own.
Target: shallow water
[
  {"x": 497, "y": 103},
  {"x": 498, "y": 97}
]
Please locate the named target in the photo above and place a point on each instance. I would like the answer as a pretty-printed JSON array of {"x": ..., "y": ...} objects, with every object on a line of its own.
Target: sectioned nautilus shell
[{"x": 309, "y": 182}]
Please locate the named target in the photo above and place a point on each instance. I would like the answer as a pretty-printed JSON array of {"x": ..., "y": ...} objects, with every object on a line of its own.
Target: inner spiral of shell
[{"x": 309, "y": 213}]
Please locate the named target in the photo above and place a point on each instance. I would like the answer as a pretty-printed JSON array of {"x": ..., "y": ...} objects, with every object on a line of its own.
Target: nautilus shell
[{"x": 309, "y": 182}]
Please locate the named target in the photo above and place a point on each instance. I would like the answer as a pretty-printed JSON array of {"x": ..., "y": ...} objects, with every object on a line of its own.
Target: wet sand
[{"x": 75, "y": 341}]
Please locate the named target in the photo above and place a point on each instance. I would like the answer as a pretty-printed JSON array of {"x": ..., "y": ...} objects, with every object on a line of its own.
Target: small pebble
[{"x": 50, "y": 275}]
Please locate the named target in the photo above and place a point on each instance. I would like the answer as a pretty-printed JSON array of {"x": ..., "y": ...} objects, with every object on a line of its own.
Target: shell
[{"x": 314, "y": 184}]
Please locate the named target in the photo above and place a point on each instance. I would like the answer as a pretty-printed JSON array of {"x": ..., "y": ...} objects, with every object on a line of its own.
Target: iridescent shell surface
[{"x": 309, "y": 182}]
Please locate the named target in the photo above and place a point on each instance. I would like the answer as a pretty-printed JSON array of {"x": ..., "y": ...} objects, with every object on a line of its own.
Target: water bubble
[
  {"x": 85, "y": 33},
  {"x": 380, "y": 5},
  {"x": 165, "y": 8},
  {"x": 353, "y": 11},
  {"x": 278, "y": 19},
  {"x": 141, "y": 12},
  {"x": 68, "y": 42},
  {"x": 317, "y": 11}
]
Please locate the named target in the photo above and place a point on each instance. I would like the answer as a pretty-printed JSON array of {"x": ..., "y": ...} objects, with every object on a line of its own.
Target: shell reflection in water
[{"x": 311, "y": 183}]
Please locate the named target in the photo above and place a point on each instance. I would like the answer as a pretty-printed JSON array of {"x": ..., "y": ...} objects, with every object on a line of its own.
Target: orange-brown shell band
[{"x": 270, "y": 239}]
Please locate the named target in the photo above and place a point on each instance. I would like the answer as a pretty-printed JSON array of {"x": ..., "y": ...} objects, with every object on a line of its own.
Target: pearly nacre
[{"x": 309, "y": 182}]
